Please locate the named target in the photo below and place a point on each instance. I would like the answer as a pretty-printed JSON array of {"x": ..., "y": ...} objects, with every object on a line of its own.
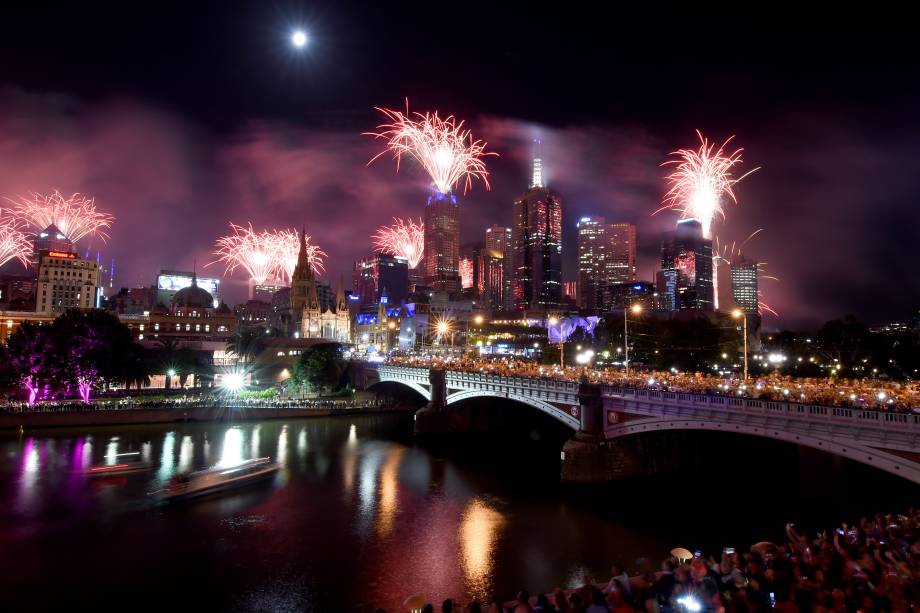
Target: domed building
[{"x": 193, "y": 297}]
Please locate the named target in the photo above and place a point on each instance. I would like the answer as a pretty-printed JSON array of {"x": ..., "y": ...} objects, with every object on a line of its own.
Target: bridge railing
[{"x": 842, "y": 415}]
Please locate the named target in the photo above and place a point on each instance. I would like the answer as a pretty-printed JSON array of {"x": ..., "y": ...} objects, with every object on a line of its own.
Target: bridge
[{"x": 598, "y": 414}]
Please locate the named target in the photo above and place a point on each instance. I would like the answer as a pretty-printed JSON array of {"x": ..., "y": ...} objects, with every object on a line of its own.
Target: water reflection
[
  {"x": 389, "y": 490},
  {"x": 282, "y": 451},
  {"x": 186, "y": 451},
  {"x": 111, "y": 451},
  {"x": 28, "y": 475},
  {"x": 232, "y": 451},
  {"x": 480, "y": 528},
  {"x": 166, "y": 457}
]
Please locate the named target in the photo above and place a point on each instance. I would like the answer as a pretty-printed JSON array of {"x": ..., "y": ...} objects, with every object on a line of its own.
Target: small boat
[
  {"x": 125, "y": 464},
  {"x": 217, "y": 479}
]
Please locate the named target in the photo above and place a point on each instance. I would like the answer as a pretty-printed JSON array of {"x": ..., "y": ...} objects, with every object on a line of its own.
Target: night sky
[{"x": 181, "y": 118}]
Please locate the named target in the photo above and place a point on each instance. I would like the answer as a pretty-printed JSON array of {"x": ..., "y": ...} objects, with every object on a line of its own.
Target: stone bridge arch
[{"x": 567, "y": 417}]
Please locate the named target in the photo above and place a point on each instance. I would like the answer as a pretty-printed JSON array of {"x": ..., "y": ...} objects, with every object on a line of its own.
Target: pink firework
[
  {"x": 466, "y": 273},
  {"x": 700, "y": 180},
  {"x": 76, "y": 217},
  {"x": 442, "y": 147},
  {"x": 256, "y": 252},
  {"x": 287, "y": 244},
  {"x": 402, "y": 239},
  {"x": 14, "y": 243}
]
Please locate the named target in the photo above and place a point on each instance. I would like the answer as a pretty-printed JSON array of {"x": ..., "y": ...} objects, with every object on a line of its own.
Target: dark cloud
[{"x": 837, "y": 204}]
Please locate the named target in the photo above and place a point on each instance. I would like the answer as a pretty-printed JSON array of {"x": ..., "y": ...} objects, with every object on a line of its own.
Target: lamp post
[
  {"x": 738, "y": 313},
  {"x": 552, "y": 322},
  {"x": 636, "y": 309}
]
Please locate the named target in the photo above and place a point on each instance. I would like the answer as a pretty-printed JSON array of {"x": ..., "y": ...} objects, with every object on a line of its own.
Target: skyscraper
[
  {"x": 50, "y": 239},
  {"x": 744, "y": 284},
  {"x": 498, "y": 245},
  {"x": 381, "y": 273},
  {"x": 442, "y": 243},
  {"x": 591, "y": 261},
  {"x": 620, "y": 253},
  {"x": 536, "y": 238},
  {"x": 686, "y": 252}
]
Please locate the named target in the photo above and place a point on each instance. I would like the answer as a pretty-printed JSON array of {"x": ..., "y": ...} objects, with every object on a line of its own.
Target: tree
[
  {"x": 319, "y": 368},
  {"x": 29, "y": 358}
]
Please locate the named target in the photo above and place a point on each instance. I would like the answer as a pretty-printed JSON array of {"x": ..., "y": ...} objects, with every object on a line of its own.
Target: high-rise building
[
  {"x": 378, "y": 274},
  {"x": 66, "y": 281},
  {"x": 619, "y": 296},
  {"x": 690, "y": 255},
  {"x": 498, "y": 244},
  {"x": 536, "y": 238},
  {"x": 620, "y": 253},
  {"x": 489, "y": 277},
  {"x": 606, "y": 256},
  {"x": 744, "y": 284},
  {"x": 591, "y": 261},
  {"x": 442, "y": 243}
]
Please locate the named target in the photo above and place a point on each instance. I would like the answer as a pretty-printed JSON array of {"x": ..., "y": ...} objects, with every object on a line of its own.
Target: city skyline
[{"x": 172, "y": 179}]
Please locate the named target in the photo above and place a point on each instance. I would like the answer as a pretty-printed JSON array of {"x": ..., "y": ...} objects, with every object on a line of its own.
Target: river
[{"x": 361, "y": 516}]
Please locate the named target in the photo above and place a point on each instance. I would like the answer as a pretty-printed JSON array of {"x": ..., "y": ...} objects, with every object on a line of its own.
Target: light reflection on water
[{"x": 353, "y": 512}]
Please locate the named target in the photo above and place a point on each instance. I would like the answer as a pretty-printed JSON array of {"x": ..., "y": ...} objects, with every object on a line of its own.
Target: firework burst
[
  {"x": 402, "y": 239},
  {"x": 256, "y": 252},
  {"x": 287, "y": 244},
  {"x": 76, "y": 217},
  {"x": 442, "y": 147},
  {"x": 700, "y": 179},
  {"x": 14, "y": 243}
]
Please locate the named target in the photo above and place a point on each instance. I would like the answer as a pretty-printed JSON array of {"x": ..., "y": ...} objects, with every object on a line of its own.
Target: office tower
[
  {"x": 591, "y": 262},
  {"x": 498, "y": 245},
  {"x": 442, "y": 243},
  {"x": 620, "y": 253},
  {"x": 690, "y": 255},
  {"x": 744, "y": 284},
  {"x": 378, "y": 273},
  {"x": 536, "y": 237},
  {"x": 66, "y": 281}
]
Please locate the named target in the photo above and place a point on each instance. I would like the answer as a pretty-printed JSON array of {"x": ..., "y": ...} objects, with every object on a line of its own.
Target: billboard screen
[{"x": 174, "y": 283}]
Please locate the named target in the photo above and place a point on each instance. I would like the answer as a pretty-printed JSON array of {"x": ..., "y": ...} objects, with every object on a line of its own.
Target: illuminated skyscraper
[
  {"x": 442, "y": 243},
  {"x": 620, "y": 253},
  {"x": 744, "y": 284},
  {"x": 50, "y": 239},
  {"x": 536, "y": 238},
  {"x": 686, "y": 252},
  {"x": 381, "y": 273},
  {"x": 591, "y": 261},
  {"x": 498, "y": 245}
]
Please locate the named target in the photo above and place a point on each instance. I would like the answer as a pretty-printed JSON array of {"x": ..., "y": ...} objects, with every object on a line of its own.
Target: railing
[
  {"x": 841, "y": 415},
  {"x": 555, "y": 389}
]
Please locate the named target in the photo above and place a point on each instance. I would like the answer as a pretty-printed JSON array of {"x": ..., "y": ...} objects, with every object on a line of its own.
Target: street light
[
  {"x": 636, "y": 309},
  {"x": 738, "y": 313}
]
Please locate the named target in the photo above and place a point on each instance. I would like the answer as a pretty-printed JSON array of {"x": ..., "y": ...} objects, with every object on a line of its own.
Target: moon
[{"x": 299, "y": 39}]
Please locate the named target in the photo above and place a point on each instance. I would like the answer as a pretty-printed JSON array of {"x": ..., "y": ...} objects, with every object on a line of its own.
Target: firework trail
[
  {"x": 724, "y": 253},
  {"x": 14, "y": 243},
  {"x": 256, "y": 252},
  {"x": 442, "y": 147},
  {"x": 287, "y": 245},
  {"x": 699, "y": 181},
  {"x": 402, "y": 239},
  {"x": 76, "y": 217},
  {"x": 466, "y": 273}
]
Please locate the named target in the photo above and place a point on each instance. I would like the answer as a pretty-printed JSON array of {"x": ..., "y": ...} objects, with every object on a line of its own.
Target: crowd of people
[
  {"x": 897, "y": 396},
  {"x": 871, "y": 566}
]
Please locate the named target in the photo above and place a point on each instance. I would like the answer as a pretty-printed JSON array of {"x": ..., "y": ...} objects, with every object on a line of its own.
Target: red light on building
[{"x": 62, "y": 254}]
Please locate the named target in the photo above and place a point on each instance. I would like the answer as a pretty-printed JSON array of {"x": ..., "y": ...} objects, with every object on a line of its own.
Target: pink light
[
  {"x": 76, "y": 217},
  {"x": 402, "y": 239},
  {"x": 442, "y": 147}
]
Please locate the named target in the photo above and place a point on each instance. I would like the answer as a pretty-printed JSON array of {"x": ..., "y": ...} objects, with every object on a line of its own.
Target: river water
[{"x": 361, "y": 516}]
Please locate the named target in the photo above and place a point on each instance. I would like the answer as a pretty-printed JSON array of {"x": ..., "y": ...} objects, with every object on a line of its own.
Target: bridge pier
[
  {"x": 588, "y": 457},
  {"x": 433, "y": 418}
]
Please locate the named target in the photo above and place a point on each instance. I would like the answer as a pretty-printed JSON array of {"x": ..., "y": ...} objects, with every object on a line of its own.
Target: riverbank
[{"x": 165, "y": 415}]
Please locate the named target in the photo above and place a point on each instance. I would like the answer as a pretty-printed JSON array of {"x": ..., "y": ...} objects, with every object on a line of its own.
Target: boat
[
  {"x": 217, "y": 479},
  {"x": 125, "y": 464}
]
